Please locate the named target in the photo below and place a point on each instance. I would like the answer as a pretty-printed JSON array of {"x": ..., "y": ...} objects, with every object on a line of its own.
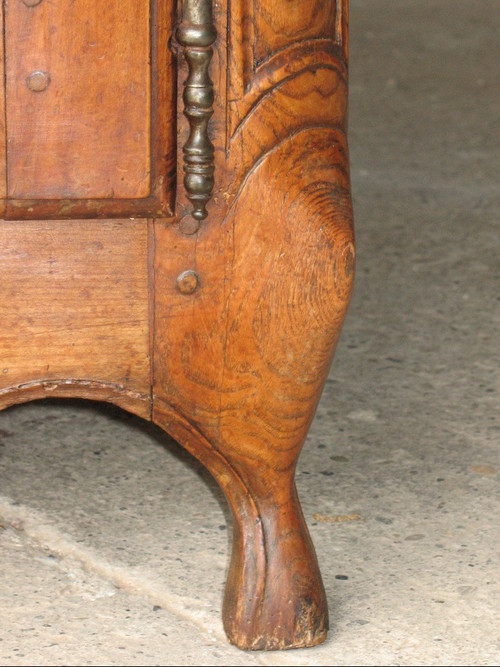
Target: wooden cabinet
[{"x": 177, "y": 239}]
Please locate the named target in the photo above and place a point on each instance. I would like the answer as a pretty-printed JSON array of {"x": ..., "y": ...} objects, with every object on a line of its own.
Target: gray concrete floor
[{"x": 114, "y": 543}]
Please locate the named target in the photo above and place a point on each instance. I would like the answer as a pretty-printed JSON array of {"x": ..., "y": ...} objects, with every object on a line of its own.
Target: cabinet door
[{"x": 89, "y": 108}]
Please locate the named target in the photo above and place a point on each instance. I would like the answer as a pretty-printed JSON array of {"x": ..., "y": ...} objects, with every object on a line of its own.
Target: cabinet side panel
[
  {"x": 78, "y": 78},
  {"x": 74, "y": 304},
  {"x": 279, "y": 23}
]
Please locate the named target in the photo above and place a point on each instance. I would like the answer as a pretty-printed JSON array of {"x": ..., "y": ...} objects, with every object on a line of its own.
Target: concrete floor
[{"x": 114, "y": 543}]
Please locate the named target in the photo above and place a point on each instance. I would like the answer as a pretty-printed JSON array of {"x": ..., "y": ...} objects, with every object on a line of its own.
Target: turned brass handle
[{"x": 196, "y": 34}]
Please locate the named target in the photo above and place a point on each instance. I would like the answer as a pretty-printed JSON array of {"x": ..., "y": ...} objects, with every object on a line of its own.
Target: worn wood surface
[
  {"x": 84, "y": 131},
  {"x": 221, "y": 328},
  {"x": 254, "y": 342},
  {"x": 74, "y": 311},
  {"x": 3, "y": 163}
]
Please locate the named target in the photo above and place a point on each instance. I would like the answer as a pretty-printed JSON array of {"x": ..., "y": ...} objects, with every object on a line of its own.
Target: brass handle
[{"x": 196, "y": 34}]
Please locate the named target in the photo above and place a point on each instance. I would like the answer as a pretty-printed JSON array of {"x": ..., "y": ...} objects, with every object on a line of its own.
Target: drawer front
[{"x": 88, "y": 118}]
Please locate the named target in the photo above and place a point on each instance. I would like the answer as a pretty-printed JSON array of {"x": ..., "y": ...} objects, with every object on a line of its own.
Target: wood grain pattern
[
  {"x": 275, "y": 261},
  {"x": 279, "y": 23},
  {"x": 54, "y": 135},
  {"x": 3, "y": 139},
  {"x": 74, "y": 313},
  {"x": 231, "y": 362},
  {"x": 254, "y": 347},
  {"x": 90, "y": 135},
  {"x": 271, "y": 43}
]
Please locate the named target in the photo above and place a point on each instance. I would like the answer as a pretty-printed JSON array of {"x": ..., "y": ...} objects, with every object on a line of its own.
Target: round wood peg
[
  {"x": 38, "y": 81},
  {"x": 189, "y": 225},
  {"x": 188, "y": 282},
  {"x": 32, "y": 3}
]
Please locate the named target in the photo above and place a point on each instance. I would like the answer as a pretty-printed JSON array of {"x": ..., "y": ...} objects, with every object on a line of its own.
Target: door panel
[{"x": 81, "y": 77}]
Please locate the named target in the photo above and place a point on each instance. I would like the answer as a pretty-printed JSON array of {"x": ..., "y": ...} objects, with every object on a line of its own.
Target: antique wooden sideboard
[{"x": 176, "y": 238}]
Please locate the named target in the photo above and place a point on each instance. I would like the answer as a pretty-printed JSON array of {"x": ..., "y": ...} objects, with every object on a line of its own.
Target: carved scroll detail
[{"x": 196, "y": 34}]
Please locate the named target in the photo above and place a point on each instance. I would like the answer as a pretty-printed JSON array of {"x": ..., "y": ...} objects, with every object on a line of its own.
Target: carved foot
[{"x": 274, "y": 595}]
